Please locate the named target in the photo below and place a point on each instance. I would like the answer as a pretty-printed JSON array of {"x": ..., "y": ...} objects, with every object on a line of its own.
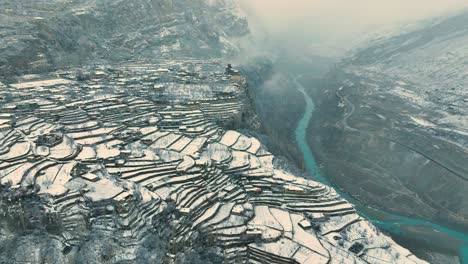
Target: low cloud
[{"x": 335, "y": 24}]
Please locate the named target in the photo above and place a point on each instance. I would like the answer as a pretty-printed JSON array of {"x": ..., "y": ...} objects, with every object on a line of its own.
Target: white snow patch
[{"x": 422, "y": 122}]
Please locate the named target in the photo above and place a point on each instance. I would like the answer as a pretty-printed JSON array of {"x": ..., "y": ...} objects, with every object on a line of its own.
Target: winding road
[{"x": 344, "y": 121}]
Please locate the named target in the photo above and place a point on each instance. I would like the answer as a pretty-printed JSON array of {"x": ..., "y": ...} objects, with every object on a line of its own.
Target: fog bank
[{"x": 332, "y": 26}]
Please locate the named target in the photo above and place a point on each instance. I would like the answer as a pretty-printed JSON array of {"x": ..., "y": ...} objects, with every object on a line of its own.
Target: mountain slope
[
  {"x": 40, "y": 35},
  {"x": 393, "y": 124}
]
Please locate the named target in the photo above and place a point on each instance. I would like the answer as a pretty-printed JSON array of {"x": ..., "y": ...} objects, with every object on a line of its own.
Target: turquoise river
[{"x": 416, "y": 229}]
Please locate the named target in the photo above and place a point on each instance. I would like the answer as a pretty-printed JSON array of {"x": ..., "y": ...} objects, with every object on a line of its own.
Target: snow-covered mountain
[
  {"x": 402, "y": 105},
  {"x": 39, "y": 35},
  {"x": 433, "y": 57},
  {"x": 126, "y": 151}
]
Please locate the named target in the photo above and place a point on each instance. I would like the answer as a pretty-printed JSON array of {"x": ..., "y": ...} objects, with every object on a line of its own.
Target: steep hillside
[
  {"x": 38, "y": 36},
  {"x": 392, "y": 126}
]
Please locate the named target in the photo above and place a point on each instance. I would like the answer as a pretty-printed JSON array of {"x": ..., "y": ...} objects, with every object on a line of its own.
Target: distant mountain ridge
[
  {"x": 432, "y": 55},
  {"x": 40, "y": 35}
]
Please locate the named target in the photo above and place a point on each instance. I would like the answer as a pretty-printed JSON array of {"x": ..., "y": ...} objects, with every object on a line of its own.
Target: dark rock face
[
  {"x": 391, "y": 123},
  {"x": 41, "y": 35},
  {"x": 278, "y": 105}
]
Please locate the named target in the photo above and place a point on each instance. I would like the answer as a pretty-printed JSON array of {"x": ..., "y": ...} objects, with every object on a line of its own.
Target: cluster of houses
[{"x": 114, "y": 147}]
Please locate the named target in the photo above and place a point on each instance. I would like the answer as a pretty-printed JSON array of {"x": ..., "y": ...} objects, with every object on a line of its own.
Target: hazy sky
[{"x": 337, "y": 22}]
